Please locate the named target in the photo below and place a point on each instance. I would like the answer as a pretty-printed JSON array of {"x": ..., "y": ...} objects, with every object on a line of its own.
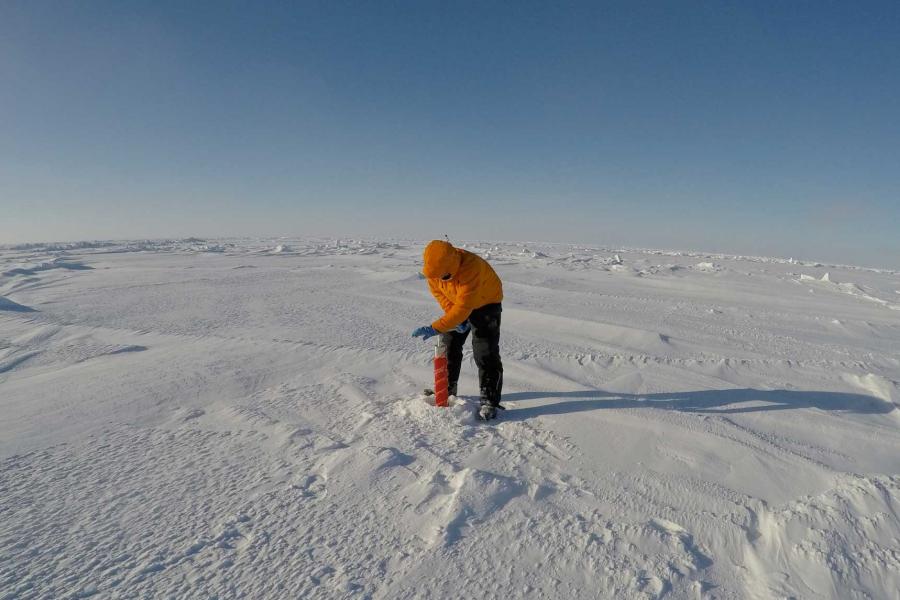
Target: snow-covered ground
[{"x": 243, "y": 419}]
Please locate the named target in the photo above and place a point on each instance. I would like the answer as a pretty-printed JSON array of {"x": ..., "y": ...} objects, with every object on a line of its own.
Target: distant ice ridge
[
  {"x": 316, "y": 246},
  {"x": 112, "y": 246},
  {"x": 826, "y": 282}
]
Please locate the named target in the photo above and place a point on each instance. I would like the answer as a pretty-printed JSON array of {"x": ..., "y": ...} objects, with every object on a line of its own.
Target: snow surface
[{"x": 243, "y": 419}]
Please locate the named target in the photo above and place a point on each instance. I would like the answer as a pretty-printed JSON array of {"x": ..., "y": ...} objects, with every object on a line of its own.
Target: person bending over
[{"x": 470, "y": 293}]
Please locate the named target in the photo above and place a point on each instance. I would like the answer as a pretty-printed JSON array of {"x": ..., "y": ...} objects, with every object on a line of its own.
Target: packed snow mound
[{"x": 707, "y": 267}]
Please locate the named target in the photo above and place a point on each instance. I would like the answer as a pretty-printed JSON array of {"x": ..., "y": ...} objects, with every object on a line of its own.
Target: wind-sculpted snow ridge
[
  {"x": 842, "y": 539},
  {"x": 54, "y": 263},
  {"x": 243, "y": 418},
  {"x": 7, "y": 304},
  {"x": 825, "y": 282}
]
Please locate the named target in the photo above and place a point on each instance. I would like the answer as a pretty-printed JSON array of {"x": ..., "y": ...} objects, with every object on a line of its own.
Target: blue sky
[{"x": 747, "y": 127}]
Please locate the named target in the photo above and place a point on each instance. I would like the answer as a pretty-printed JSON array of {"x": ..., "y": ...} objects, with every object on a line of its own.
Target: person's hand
[
  {"x": 462, "y": 327},
  {"x": 425, "y": 332}
]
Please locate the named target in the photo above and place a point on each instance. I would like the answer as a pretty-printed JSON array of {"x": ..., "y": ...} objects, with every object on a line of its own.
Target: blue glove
[
  {"x": 462, "y": 327},
  {"x": 425, "y": 332}
]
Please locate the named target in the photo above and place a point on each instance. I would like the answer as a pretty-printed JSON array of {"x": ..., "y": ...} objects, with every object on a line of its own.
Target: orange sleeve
[
  {"x": 459, "y": 311},
  {"x": 443, "y": 300}
]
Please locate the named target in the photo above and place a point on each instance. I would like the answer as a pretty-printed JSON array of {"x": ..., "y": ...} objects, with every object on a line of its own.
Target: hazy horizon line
[{"x": 602, "y": 247}]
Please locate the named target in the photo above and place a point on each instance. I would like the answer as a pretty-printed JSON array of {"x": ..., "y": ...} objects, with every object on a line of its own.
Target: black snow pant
[{"x": 485, "y": 322}]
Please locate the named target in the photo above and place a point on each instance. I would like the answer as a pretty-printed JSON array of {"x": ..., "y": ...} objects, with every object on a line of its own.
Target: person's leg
[
  {"x": 486, "y": 350},
  {"x": 454, "y": 341}
]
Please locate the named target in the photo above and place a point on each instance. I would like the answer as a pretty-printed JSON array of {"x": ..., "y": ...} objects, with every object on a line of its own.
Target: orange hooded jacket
[{"x": 472, "y": 284}]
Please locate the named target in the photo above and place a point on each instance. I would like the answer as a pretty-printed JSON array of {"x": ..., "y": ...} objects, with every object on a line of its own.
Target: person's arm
[
  {"x": 462, "y": 308},
  {"x": 443, "y": 300}
]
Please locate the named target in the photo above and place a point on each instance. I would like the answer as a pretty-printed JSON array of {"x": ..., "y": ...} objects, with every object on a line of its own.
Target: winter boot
[{"x": 487, "y": 412}]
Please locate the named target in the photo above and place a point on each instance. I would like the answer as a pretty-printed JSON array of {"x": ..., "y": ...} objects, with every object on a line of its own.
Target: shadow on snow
[{"x": 701, "y": 401}]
